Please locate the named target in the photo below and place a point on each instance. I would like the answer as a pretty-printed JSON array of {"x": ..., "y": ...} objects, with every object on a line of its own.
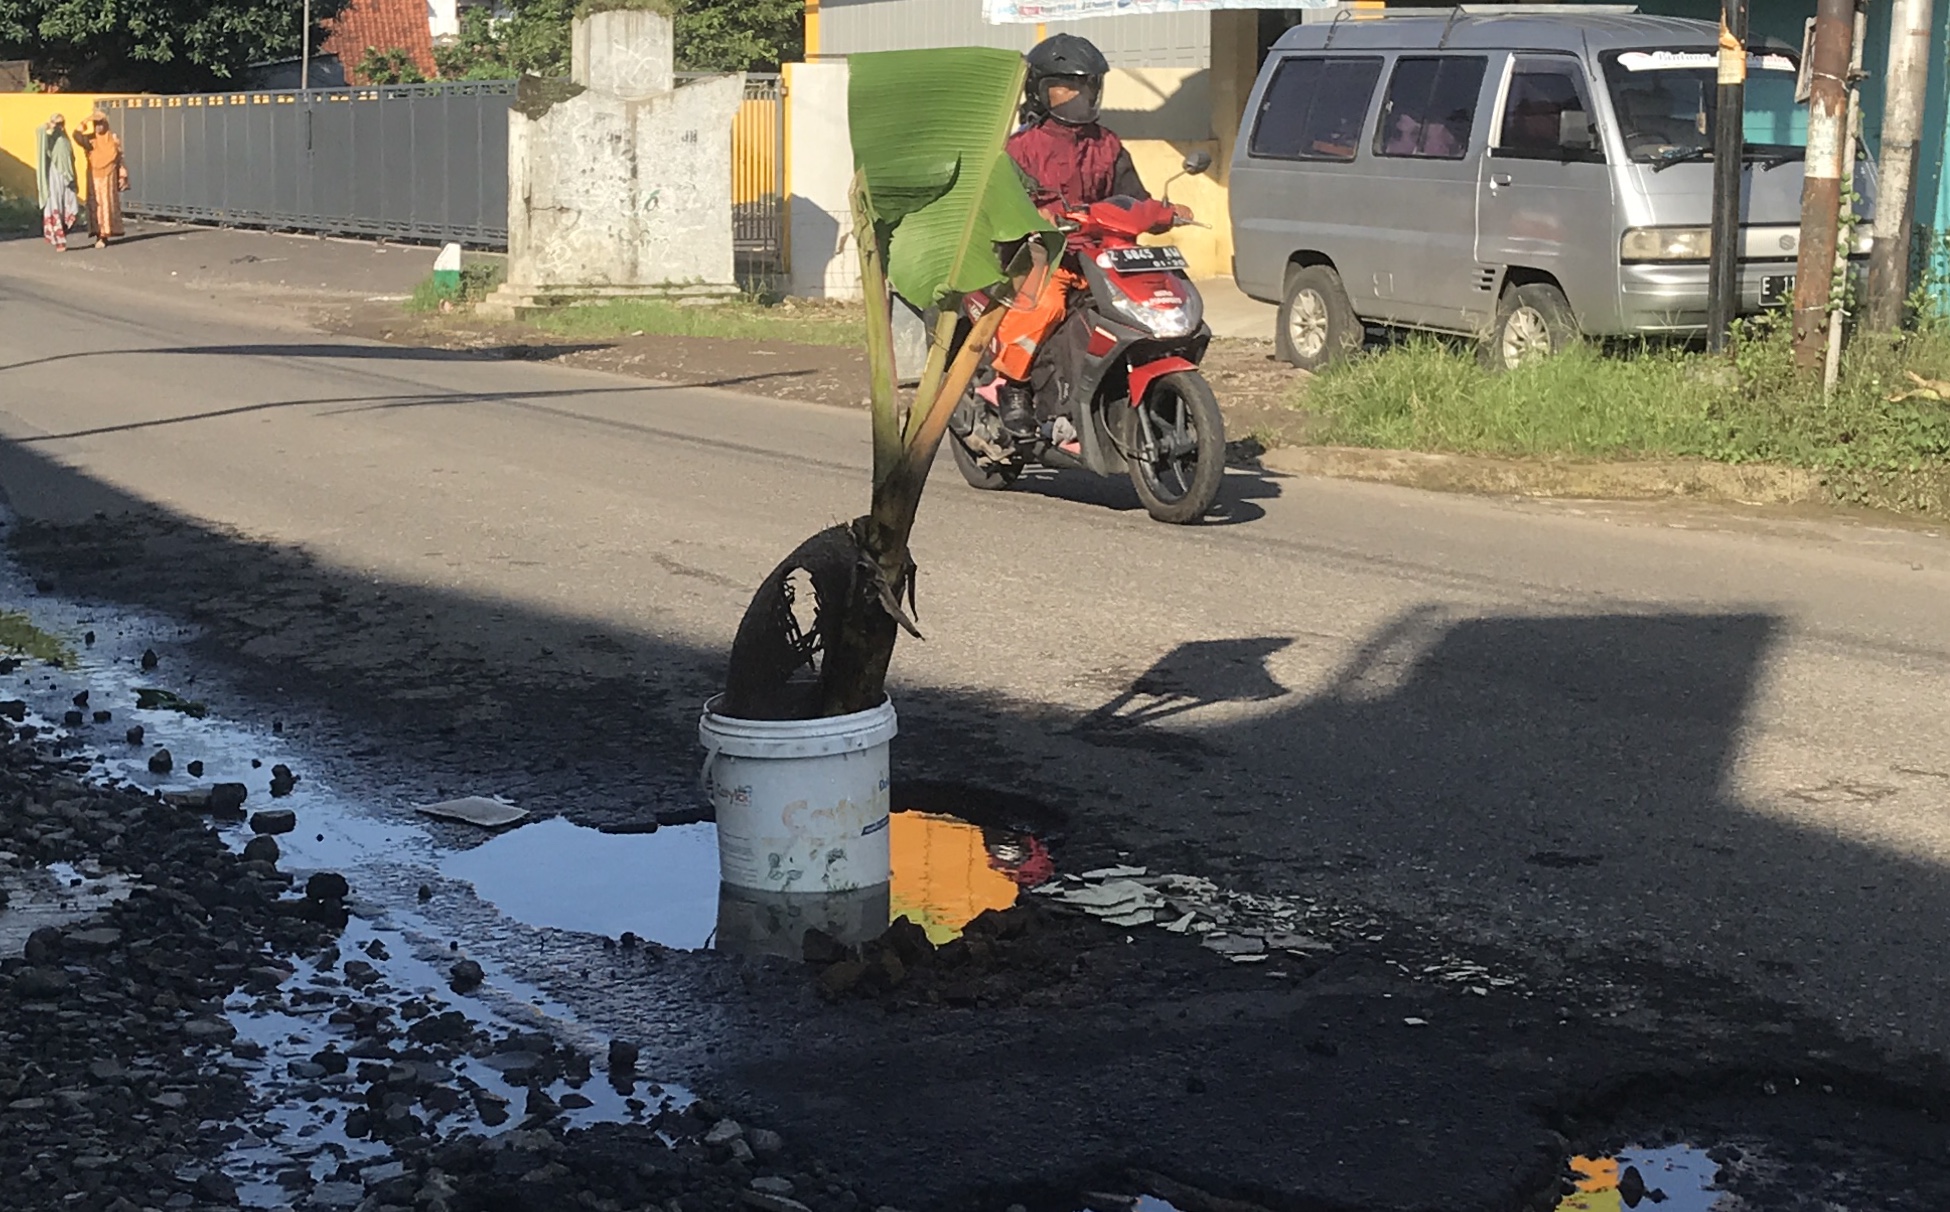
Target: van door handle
[{"x": 1499, "y": 179}]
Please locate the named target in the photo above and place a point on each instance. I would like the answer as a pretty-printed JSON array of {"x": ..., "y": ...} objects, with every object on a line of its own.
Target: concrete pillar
[
  {"x": 619, "y": 185},
  {"x": 627, "y": 53},
  {"x": 819, "y": 174}
]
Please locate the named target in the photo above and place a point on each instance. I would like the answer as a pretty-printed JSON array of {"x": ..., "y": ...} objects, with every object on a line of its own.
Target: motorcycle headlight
[{"x": 1161, "y": 319}]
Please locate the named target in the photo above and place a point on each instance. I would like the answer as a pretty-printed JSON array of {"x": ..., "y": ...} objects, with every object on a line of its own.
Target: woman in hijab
[
  {"x": 107, "y": 178},
  {"x": 54, "y": 177}
]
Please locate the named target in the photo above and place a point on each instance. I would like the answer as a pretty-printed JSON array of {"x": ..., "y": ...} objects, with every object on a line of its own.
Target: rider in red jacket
[{"x": 1070, "y": 162}]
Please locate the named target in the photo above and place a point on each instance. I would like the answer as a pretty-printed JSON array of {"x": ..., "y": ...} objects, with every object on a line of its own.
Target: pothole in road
[
  {"x": 1673, "y": 1178},
  {"x": 663, "y": 886},
  {"x": 356, "y": 1049}
]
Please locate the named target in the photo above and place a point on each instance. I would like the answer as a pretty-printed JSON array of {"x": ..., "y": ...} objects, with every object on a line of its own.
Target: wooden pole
[
  {"x": 1821, "y": 189},
  {"x": 1906, "y": 93}
]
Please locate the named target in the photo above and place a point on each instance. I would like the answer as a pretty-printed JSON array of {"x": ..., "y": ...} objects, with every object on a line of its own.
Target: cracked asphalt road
[{"x": 1623, "y": 744}]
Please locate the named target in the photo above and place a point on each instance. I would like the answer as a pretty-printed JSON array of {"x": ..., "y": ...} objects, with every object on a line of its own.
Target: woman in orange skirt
[{"x": 108, "y": 176}]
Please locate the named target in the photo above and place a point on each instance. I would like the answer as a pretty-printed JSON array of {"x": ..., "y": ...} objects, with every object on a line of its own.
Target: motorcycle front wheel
[{"x": 1179, "y": 456}]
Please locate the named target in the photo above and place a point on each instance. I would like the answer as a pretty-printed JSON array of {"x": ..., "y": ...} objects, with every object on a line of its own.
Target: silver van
[{"x": 1522, "y": 178}]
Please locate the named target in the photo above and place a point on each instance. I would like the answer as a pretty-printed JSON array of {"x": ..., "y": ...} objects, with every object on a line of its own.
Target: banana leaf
[{"x": 928, "y": 131}]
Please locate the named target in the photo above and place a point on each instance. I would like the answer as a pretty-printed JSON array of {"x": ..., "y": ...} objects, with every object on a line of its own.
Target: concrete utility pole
[
  {"x": 1729, "y": 167},
  {"x": 1821, "y": 190},
  {"x": 304, "y": 56},
  {"x": 1831, "y": 371},
  {"x": 1906, "y": 92}
]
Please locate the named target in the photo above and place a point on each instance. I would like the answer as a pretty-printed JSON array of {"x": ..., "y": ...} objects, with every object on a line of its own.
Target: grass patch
[
  {"x": 19, "y": 636},
  {"x": 18, "y": 214},
  {"x": 1871, "y": 446},
  {"x": 477, "y": 282},
  {"x": 739, "y": 320}
]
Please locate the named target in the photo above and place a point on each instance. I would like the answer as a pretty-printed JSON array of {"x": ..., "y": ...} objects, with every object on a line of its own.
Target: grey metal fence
[{"x": 412, "y": 161}]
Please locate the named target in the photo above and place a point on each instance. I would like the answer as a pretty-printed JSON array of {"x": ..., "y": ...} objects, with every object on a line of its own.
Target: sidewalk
[
  {"x": 1232, "y": 314},
  {"x": 232, "y": 261}
]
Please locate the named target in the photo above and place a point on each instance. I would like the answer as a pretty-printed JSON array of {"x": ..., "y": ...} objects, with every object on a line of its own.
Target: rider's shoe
[{"x": 1018, "y": 414}]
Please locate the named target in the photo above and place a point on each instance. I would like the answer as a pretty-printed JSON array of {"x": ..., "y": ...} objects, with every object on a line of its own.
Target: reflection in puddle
[
  {"x": 1677, "y": 1178},
  {"x": 300, "y": 1133},
  {"x": 663, "y": 886},
  {"x": 947, "y": 872}
]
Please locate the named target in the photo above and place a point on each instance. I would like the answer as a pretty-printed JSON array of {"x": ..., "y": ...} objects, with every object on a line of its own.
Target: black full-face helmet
[{"x": 1066, "y": 59}]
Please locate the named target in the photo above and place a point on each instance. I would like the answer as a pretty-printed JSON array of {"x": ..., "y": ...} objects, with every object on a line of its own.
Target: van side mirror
[
  {"x": 1198, "y": 162},
  {"x": 1574, "y": 131}
]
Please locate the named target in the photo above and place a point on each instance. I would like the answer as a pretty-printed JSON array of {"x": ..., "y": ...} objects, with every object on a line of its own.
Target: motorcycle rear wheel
[
  {"x": 988, "y": 479},
  {"x": 1179, "y": 418}
]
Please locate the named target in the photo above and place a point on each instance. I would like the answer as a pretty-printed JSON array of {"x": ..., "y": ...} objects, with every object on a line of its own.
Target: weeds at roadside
[
  {"x": 794, "y": 323},
  {"x": 19, "y": 637},
  {"x": 1871, "y": 447},
  {"x": 477, "y": 282}
]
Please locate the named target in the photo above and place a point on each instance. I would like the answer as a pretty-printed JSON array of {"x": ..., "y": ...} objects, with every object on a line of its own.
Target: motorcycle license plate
[{"x": 1145, "y": 260}]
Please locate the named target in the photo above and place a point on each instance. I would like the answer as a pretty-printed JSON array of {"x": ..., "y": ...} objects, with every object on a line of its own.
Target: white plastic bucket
[{"x": 801, "y": 804}]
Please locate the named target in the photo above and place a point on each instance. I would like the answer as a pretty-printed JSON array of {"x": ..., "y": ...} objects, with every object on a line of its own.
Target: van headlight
[{"x": 1666, "y": 244}]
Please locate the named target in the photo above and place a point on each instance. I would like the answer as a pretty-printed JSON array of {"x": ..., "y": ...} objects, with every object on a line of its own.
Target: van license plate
[
  {"x": 1776, "y": 289},
  {"x": 1145, "y": 260}
]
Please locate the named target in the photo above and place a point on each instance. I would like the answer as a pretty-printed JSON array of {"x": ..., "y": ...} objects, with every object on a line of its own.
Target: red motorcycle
[{"x": 1118, "y": 383}]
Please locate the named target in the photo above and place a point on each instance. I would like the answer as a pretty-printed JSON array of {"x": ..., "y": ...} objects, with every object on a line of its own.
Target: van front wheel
[
  {"x": 1533, "y": 321},
  {"x": 1317, "y": 326}
]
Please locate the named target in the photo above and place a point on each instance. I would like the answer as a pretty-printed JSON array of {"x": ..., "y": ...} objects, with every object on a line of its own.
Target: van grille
[{"x": 1486, "y": 279}]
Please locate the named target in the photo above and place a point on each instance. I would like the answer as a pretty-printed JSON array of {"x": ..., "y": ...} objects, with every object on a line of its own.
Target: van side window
[
  {"x": 1431, "y": 107},
  {"x": 1313, "y": 109},
  {"x": 1541, "y": 93}
]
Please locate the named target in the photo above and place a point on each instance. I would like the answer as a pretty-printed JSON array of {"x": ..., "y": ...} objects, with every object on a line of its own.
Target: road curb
[{"x": 1639, "y": 481}]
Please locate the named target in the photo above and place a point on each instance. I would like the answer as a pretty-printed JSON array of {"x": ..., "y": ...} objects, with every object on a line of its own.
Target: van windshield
[{"x": 1666, "y": 101}]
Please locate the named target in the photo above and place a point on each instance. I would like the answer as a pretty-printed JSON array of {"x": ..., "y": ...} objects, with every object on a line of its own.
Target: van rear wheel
[
  {"x": 1533, "y": 321},
  {"x": 1317, "y": 325}
]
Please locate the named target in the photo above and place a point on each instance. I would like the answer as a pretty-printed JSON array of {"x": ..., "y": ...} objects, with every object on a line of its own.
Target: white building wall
[
  {"x": 819, "y": 174},
  {"x": 443, "y": 19}
]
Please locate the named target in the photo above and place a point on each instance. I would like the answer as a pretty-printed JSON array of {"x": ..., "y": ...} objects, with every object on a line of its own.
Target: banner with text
[{"x": 1035, "y": 12}]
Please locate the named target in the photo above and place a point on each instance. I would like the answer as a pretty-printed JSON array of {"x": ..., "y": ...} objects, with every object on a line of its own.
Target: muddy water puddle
[
  {"x": 1672, "y": 1178},
  {"x": 315, "y": 1127},
  {"x": 663, "y": 886}
]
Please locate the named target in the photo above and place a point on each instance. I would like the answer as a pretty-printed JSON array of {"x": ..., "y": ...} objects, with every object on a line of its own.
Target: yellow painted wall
[
  {"x": 1209, "y": 249},
  {"x": 1163, "y": 115},
  {"x": 23, "y": 114}
]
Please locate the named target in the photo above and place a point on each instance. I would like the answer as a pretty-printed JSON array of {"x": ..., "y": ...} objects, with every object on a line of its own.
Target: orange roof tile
[{"x": 380, "y": 25}]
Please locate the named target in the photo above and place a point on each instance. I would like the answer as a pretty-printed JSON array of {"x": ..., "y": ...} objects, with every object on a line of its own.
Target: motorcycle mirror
[{"x": 1198, "y": 162}]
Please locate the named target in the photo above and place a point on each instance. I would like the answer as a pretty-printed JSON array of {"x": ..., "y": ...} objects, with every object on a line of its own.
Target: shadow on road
[
  {"x": 330, "y": 351},
  {"x": 1556, "y": 780},
  {"x": 1239, "y": 492}
]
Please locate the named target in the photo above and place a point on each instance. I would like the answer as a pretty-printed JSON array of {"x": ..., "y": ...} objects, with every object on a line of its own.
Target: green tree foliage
[
  {"x": 712, "y": 36},
  {"x": 153, "y": 45},
  {"x": 533, "y": 40},
  {"x": 389, "y": 67},
  {"x": 739, "y": 35}
]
